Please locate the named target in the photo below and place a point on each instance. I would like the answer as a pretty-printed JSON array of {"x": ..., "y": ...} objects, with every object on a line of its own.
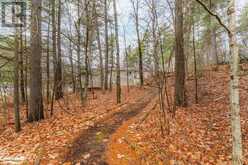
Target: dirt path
[{"x": 89, "y": 147}]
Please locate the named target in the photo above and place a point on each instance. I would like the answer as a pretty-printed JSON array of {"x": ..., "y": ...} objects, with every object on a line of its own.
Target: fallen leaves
[
  {"x": 200, "y": 134},
  {"x": 48, "y": 140}
]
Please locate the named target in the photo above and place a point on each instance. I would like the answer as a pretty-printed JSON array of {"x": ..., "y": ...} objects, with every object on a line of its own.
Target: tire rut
[{"x": 89, "y": 148}]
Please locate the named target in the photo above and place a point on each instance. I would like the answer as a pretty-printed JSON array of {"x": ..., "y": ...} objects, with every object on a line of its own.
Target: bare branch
[{"x": 214, "y": 15}]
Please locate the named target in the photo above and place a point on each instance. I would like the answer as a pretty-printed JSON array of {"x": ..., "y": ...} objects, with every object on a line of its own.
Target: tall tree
[
  {"x": 212, "y": 37},
  {"x": 234, "y": 80},
  {"x": 78, "y": 28},
  {"x": 126, "y": 57},
  {"x": 106, "y": 44},
  {"x": 180, "y": 97},
  {"x": 155, "y": 38},
  {"x": 100, "y": 52},
  {"x": 135, "y": 4},
  {"x": 111, "y": 47},
  {"x": 72, "y": 64},
  {"x": 118, "y": 74},
  {"x": 36, "y": 101},
  {"x": 234, "y": 87},
  {"x": 54, "y": 40},
  {"x": 26, "y": 61},
  {"x": 195, "y": 62},
  {"x": 87, "y": 47},
  {"x": 22, "y": 85},
  {"x": 69, "y": 11},
  {"x": 58, "y": 72},
  {"x": 16, "y": 83},
  {"x": 48, "y": 55}
]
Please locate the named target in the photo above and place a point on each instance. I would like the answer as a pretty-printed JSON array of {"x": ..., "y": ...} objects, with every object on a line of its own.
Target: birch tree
[
  {"x": 234, "y": 80},
  {"x": 234, "y": 87}
]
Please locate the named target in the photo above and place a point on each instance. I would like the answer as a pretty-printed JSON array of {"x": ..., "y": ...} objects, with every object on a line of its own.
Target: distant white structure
[{"x": 133, "y": 77}]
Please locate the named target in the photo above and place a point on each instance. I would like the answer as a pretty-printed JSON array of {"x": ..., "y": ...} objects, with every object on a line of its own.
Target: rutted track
[{"x": 89, "y": 147}]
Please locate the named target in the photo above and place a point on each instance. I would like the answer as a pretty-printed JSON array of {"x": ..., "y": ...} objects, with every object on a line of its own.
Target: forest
[{"x": 124, "y": 82}]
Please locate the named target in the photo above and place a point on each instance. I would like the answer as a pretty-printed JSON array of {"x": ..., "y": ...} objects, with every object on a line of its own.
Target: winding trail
[{"x": 89, "y": 148}]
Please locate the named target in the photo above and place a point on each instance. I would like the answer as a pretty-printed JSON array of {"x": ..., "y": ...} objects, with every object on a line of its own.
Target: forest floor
[
  {"x": 74, "y": 133},
  {"x": 199, "y": 134},
  {"x": 103, "y": 133}
]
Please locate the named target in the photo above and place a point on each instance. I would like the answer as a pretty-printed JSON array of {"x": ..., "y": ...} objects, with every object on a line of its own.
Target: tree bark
[
  {"x": 155, "y": 39},
  {"x": 100, "y": 56},
  {"x": 195, "y": 64},
  {"x": 234, "y": 87},
  {"x": 106, "y": 44},
  {"x": 48, "y": 58},
  {"x": 126, "y": 57},
  {"x": 26, "y": 72},
  {"x": 72, "y": 67},
  {"x": 180, "y": 97},
  {"x": 78, "y": 52},
  {"x": 71, "y": 52},
  {"x": 212, "y": 37},
  {"x": 112, "y": 63},
  {"x": 54, "y": 38},
  {"x": 86, "y": 47},
  {"x": 136, "y": 15},
  {"x": 118, "y": 74},
  {"x": 36, "y": 101},
  {"x": 22, "y": 85},
  {"x": 58, "y": 75},
  {"x": 16, "y": 84}
]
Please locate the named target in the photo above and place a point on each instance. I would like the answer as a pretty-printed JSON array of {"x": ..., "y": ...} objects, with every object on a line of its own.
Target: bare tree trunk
[
  {"x": 48, "y": 58},
  {"x": 213, "y": 44},
  {"x": 16, "y": 84},
  {"x": 234, "y": 87},
  {"x": 126, "y": 57},
  {"x": 58, "y": 75},
  {"x": 98, "y": 37},
  {"x": 78, "y": 52},
  {"x": 91, "y": 73},
  {"x": 106, "y": 44},
  {"x": 112, "y": 64},
  {"x": 71, "y": 53},
  {"x": 180, "y": 97},
  {"x": 26, "y": 72},
  {"x": 22, "y": 85},
  {"x": 3, "y": 96},
  {"x": 118, "y": 74},
  {"x": 54, "y": 38},
  {"x": 237, "y": 155},
  {"x": 154, "y": 39},
  {"x": 100, "y": 56},
  {"x": 36, "y": 101},
  {"x": 136, "y": 15},
  {"x": 72, "y": 68},
  {"x": 195, "y": 64},
  {"x": 86, "y": 46}
]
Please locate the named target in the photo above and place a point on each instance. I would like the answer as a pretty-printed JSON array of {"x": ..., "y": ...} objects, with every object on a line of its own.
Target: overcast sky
[
  {"x": 124, "y": 10},
  {"x": 241, "y": 3}
]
